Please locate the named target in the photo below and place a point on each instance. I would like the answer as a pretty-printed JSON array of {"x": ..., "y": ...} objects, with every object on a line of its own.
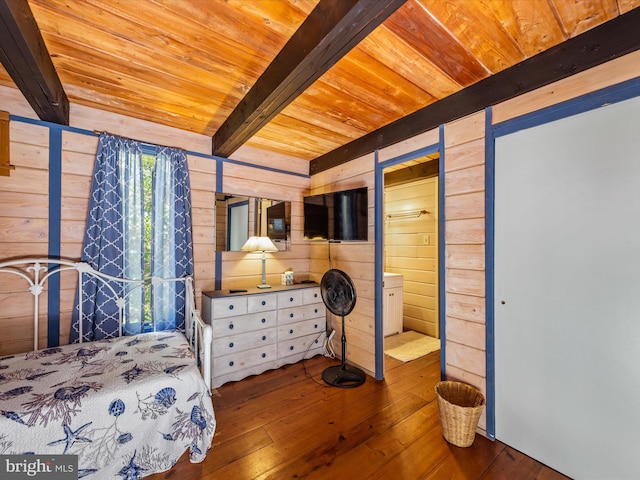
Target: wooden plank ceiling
[{"x": 194, "y": 64}]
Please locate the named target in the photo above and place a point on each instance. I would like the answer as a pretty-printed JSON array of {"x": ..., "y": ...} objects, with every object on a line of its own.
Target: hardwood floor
[{"x": 288, "y": 424}]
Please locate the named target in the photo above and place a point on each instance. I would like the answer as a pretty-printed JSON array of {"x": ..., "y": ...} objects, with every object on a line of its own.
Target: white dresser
[{"x": 258, "y": 330}]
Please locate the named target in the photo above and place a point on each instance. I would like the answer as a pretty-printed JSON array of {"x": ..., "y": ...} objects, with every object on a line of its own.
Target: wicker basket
[{"x": 460, "y": 406}]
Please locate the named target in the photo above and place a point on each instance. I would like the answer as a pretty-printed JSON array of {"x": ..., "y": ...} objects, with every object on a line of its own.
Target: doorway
[{"x": 410, "y": 258}]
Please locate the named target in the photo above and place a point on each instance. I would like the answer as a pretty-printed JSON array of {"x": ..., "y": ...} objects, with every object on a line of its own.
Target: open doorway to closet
[{"x": 410, "y": 258}]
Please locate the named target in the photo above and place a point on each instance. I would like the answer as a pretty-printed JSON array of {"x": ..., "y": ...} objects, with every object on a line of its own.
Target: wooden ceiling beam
[
  {"x": 24, "y": 56},
  {"x": 330, "y": 31},
  {"x": 601, "y": 44}
]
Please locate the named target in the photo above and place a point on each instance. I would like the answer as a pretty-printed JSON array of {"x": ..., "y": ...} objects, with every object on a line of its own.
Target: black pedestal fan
[{"x": 339, "y": 296}]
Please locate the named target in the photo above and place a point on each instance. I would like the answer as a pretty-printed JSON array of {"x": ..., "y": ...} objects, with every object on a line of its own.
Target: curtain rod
[{"x": 98, "y": 132}]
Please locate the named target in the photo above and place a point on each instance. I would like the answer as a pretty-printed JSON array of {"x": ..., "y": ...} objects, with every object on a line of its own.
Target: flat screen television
[
  {"x": 316, "y": 217},
  {"x": 276, "y": 222},
  {"x": 341, "y": 216},
  {"x": 350, "y": 215}
]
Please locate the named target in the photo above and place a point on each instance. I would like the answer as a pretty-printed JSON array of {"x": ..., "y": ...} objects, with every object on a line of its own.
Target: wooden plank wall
[
  {"x": 78, "y": 159},
  {"x": 464, "y": 212},
  {"x": 411, "y": 249},
  {"x": 25, "y": 206},
  {"x": 356, "y": 259},
  {"x": 24, "y": 230}
]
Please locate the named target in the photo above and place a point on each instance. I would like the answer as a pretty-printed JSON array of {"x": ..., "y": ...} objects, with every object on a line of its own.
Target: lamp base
[
  {"x": 344, "y": 376},
  {"x": 264, "y": 285}
]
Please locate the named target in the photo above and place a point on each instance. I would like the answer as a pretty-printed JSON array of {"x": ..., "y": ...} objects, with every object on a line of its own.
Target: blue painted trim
[
  {"x": 442, "y": 291},
  {"x": 55, "y": 215},
  {"x": 53, "y": 126},
  {"x": 428, "y": 150},
  {"x": 218, "y": 274},
  {"x": 590, "y": 101},
  {"x": 219, "y": 175},
  {"x": 269, "y": 169},
  {"x": 489, "y": 202},
  {"x": 148, "y": 149},
  {"x": 379, "y": 267},
  {"x": 188, "y": 152}
]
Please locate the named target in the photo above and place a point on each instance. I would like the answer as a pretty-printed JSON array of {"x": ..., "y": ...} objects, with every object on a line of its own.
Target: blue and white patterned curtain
[
  {"x": 172, "y": 248},
  {"x": 114, "y": 239}
]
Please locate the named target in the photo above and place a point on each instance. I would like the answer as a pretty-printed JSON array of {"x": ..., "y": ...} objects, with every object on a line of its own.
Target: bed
[{"x": 128, "y": 406}]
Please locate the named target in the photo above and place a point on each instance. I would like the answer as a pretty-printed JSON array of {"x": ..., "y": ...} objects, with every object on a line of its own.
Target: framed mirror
[{"x": 239, "y": 217}]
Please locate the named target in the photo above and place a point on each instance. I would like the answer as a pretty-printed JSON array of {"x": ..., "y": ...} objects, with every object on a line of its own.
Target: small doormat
[{"x": 410, "y": 345}]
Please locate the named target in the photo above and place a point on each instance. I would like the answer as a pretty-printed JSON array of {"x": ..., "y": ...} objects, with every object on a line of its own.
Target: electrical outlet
[{"x": 426, "y": 240}]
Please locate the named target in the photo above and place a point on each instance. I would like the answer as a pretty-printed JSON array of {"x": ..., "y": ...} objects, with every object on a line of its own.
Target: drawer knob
[
  {"x": 231, "y": 345},
  {"x": 291, "y": 347},
  {"x": 263, "y": 302},
  {"x": 231, "y": 363},
  {"x": 230, "y": 307},
  {"x": 315, "y": 295},
  {"x": 264, "y": 337},
  {"x": 291, "y": 315},
  {"x": 291, "y": 331},
  {"x": 264, "y": 320},
  {"x": 315, "y": 310},
  {"x": 231, "y": 326},
  {"x": 264, "y": 355},
  {"x": 315, "y": 325},
  {"x": 316, "y": 341},
  {"x": 291, "y": 299}
]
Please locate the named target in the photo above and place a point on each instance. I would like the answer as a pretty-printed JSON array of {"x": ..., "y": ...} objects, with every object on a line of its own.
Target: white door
[{"x": 567, "y": 292}]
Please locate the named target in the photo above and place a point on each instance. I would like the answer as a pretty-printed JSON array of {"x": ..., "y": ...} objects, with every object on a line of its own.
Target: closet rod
[{"x": 410, "y": 214}]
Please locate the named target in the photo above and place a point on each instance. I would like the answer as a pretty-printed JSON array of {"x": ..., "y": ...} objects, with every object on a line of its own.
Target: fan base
[{"x": 344, "y": 376}]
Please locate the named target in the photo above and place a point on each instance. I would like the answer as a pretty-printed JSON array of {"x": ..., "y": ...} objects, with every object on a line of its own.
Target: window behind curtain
[{"x": 138, "y": 226}]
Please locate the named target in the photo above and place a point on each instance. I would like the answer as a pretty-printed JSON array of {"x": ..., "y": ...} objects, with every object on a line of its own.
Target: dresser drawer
[
  {"x": 261, "y": 303},
  {"x": 300, "y": 329},
  {"x": 304, "y": 312},
  {"x": 311, "y": 295},
  {"x": 244, "y": 341},
  {"x": 224, "y": 327},
  {"x": 299, "y": 346},
  {"x": 244, "y": 360},
  {"x": 291, "y": 298},
  {"x": 229, "y": 306}
]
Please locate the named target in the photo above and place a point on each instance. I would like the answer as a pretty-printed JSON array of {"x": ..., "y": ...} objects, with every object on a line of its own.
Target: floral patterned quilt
[{"x": 128, "y": 407}]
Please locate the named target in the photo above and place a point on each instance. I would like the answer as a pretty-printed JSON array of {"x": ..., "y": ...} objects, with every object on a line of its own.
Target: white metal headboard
[{"x": 36, "y": 272}]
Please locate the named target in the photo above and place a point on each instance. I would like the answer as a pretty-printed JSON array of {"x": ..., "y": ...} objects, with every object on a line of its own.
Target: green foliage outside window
[{"x": 148, "y": 164}]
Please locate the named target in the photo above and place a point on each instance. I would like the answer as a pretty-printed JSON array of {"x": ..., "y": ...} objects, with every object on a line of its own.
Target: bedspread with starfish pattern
[{"x": 128, "y": 407}]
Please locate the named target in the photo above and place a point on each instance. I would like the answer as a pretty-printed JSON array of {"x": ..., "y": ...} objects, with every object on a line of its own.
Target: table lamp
[{"x": 260, "y": 244}]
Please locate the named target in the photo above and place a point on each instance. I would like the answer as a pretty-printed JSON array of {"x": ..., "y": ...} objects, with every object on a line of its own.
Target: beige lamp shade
[{"x": 259, "y": 244}]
